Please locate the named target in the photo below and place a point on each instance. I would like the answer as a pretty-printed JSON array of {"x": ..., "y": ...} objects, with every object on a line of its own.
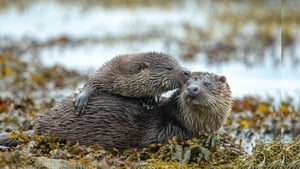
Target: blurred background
[
  {"x": 253, "y": 43},
  {"x": 49, "y": 48}
]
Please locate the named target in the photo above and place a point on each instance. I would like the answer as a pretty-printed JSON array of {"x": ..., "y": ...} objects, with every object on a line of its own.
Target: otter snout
[{"x": 193, "y": 89}]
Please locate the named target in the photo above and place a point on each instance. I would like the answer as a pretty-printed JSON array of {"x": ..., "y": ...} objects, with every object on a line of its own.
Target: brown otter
[
  {"x": 203, "y": 103},
  {"x": 141, "y": 75}
]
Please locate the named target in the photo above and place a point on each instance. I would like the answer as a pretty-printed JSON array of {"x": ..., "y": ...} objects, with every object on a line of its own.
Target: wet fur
[
  {"x": 138, "y": 75},
  {"x": 117, "y": 121},
  {"x": 108, "y": 120}
]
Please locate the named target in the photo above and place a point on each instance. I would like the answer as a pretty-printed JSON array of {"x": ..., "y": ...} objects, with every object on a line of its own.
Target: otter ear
[
  {"x": 222, "y": 79},
  {"x": 144, "y": 65}
]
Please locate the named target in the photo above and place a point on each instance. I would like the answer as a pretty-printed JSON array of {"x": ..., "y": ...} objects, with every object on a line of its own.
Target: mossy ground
[{"x": 251, "y": 119}]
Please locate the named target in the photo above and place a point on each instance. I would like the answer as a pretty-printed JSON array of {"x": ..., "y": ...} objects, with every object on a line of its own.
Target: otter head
[
  {"x": 150, "y": 74},
  {"x": 206, "y": 101}
]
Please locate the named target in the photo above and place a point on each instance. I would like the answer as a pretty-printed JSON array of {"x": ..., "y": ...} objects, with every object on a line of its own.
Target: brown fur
[
  {"x": 187, "y": 112},
  {"x": 138, "y": 75},
  {"x": 117, "y": 121}
]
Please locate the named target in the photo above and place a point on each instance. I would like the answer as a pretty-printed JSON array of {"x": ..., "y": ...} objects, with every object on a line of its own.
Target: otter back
[{"x": 108, "y": 120}]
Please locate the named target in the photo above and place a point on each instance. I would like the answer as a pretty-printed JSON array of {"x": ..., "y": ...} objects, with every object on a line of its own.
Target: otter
[
  {"x": 140, "y": 75},
  {"x": 203, "y": 103}
]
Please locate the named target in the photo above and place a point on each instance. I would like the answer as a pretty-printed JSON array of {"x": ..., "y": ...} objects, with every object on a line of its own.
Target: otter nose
[{"x": 193, "y": 89}]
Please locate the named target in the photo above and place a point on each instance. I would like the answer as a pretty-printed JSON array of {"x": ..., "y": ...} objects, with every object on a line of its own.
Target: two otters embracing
[{"x": 118, "y": 106}]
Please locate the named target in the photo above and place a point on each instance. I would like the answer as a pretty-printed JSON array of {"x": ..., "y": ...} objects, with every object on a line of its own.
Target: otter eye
[
  {"x": 169, "y": 68},
  {"x": 206, "y": 84}
]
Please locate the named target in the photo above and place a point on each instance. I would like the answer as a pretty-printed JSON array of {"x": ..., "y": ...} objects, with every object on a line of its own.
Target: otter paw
[
  {"x": 212, "y": 142},
  {"x": 149, "y": 103},
  {"x": 81, "y": 100}
]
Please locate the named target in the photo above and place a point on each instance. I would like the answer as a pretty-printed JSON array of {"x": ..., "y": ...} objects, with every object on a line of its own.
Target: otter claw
[
  {"x": 149, "y": 103},
  {"x": 156, "y": 99},
  {"x": 81, "y": 100},
  {"x": 80, "y": 103}
]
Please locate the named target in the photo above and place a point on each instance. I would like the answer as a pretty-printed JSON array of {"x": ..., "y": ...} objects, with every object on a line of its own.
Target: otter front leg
[{"x": 82, "y": 99}]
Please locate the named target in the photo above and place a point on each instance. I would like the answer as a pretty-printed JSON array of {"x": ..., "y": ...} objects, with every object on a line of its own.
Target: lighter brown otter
[
  {"x": 141, "y": 75},
  {"x": 202, "y": 104}
]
